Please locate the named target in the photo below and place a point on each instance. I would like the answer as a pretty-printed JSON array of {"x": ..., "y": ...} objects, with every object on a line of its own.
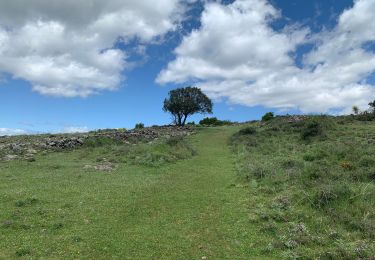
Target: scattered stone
[
  {"x": 27, "y": 147},
  {"x": 10, "y": 157},
  {"x": 103, "y": 167}
]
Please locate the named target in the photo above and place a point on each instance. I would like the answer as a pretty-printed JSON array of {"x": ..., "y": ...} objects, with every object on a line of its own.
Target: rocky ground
[{"x": 26, "y": 147}]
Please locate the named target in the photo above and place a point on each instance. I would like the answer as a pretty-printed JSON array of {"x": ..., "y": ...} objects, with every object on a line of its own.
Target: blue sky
[{"x": 50, "y": 86}]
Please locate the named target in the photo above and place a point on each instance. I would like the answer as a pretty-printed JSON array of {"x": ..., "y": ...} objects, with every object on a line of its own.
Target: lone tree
[{"x": 184, "y": 102}]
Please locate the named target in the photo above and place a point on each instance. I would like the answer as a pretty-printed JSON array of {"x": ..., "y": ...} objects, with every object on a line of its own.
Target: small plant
[
  {"x": 139, "y": 126},
  {"x": 329, "y": 193},
  {"x": 346, "y": 166},
  {"x": 23, "y": 252},
  {"x": 248, "y": 131},
  {"x": 267, "y": 116}
]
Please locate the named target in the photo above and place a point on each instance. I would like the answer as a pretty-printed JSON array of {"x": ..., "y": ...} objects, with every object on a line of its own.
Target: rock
[
  {"x": 30, "y": 159},
  {"x": 29, "y": 146},
  {"x": 31, "y": 151},
  {"x": 10, "y": 157},
  {"x": 103, "y": 167}
]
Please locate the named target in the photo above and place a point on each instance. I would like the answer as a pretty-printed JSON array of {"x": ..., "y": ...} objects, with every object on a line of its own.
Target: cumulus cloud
[
  {"x": 237, "y": 55},
  {"x": 74, "y": 129},
  {"x": 10, "y": 131},
  {"x": 66, "y": 48}
]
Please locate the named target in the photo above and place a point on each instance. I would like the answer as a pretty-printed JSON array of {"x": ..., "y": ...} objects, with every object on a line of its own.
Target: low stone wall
[{"x": 17, "y": 147}]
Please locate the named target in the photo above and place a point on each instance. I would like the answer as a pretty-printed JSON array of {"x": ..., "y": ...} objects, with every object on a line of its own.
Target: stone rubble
[{"x": 26, "y": 147}]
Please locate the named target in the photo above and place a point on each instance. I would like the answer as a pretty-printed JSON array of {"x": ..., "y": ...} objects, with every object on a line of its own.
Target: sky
[{"x": 72, "y": 66}]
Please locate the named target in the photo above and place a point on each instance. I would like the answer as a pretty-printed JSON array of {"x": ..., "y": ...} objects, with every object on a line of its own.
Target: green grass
[
  {"x": 312, "y": 186},
  {"x": 272, "y": 190},
  {"x": 186, "y": 209}
]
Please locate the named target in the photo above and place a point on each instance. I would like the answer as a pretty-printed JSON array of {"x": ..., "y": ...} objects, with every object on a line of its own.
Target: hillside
[{"x": 291, "y": 187}]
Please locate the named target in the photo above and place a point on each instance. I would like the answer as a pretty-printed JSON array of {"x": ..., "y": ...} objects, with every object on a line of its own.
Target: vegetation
[
  {"x": 302, "y": 187},
  {"x": 368, "y": 115},
  {"x": 139, "y": 126},
  {"x": 184, "y": 102},
  {"x": 213, "y": 121},
  {"x": 268, "y": 116},
  {"x": 311, "y": 184},
  {"x": 57, "y": 208}
]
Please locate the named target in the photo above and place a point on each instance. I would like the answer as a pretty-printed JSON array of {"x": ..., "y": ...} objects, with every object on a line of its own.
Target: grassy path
[
  {"x": 192, "y": 209},
  {"x": 195, "y": 210}
]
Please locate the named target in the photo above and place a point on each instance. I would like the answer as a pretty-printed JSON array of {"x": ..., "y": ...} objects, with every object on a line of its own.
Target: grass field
[
  {"x": 188, "y": 209},
  {"x": 277, "y": 190},
  {"x": 312, "y": 186}
]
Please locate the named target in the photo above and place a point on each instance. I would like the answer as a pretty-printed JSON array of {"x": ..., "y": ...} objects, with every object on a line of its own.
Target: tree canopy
[{"x": 184, "y": 102}]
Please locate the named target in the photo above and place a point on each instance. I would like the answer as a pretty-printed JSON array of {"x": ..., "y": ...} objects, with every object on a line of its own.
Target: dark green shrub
[
  {"x": 213, "y": 121},
  {"x": 248, "y": 131},
  {"x": 268, "y": 116},
  {"x": 139, "y": 126},
  {"x": 311, "y": 129}
]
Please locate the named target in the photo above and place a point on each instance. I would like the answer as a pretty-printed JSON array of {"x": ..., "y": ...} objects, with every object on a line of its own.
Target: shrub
[
  {"x": 213, "y": 121},
  {"x": 329, "y": 193},
  {"x": 311, "y": 129},
  {"x": 314, "y": 155},
  {"x": 100, "y": 141},
  {"x": 268, "y": 116},
  {"x": 247, "y": 131},
  {"x": 139, "y": 126},
  {"x": 366, "y": 116},
  {"x": 173, "y": 141},
  {"x": 346, "y": 165}
]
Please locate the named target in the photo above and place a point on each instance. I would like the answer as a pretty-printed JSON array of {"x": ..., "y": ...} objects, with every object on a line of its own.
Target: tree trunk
[
  {"x": 179, "y": 119},
  {"x": 183, "y": 122}
]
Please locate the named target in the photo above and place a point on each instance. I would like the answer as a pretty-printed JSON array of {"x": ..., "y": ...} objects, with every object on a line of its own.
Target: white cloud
[
  {"x": 236, "y": 54},
  {"x": 74, "y": 129},
  {"x": 9, "y": 131},
  {"x": 66, "y": 48}
]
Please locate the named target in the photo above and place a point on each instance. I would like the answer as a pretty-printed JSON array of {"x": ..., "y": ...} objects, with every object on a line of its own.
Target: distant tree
[
  {"x": 184, "y": 102},
  {"x": 139, "y": 126},
  {"x": 355, "y": 110},
  {"x": 213, "y": 121},
  {"x": 372, "y": 105},
  {"x": 268, "y": 116}
]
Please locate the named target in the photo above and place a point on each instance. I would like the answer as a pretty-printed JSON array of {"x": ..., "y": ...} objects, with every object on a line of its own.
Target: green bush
[
  {"x": 139, "y": 126},
  {"x": 248, "y": 131},
  {"x": 366, "y": 116},
  {"x": 311, "y": 129},
  {"x": 100, "y": 141},
  {"x": 268, "y": 116},
  {"x": 175, "y": 140},
  {"x": 213, "y": 121}
]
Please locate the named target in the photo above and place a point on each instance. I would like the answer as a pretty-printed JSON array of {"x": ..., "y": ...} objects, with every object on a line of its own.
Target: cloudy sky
[{"x": 78, "y": 65}]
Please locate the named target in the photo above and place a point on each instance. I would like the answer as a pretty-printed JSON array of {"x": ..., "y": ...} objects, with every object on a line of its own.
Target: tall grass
[{"x": 317, "y": 174}]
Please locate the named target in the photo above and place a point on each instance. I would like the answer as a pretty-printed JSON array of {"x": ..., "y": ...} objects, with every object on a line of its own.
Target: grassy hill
[{"x": 291, "y": 187}]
